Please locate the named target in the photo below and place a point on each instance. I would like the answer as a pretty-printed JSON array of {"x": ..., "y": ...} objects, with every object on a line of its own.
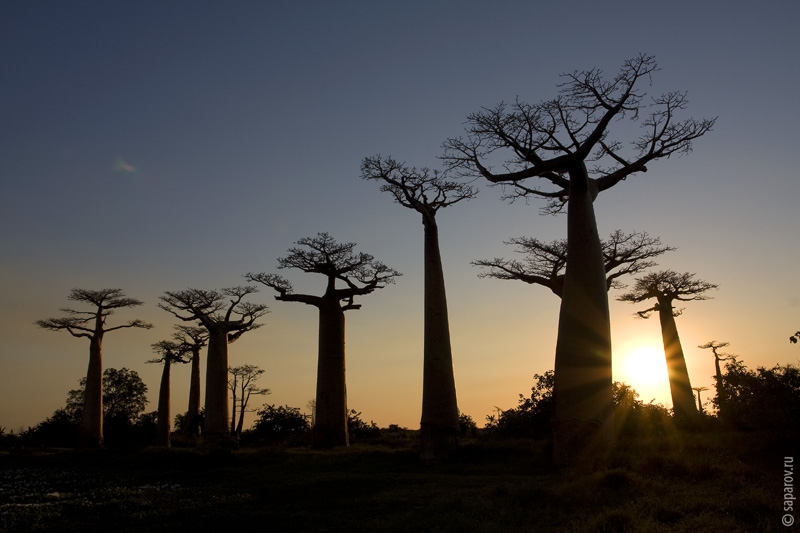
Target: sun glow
[{"x": 642, "y": 366}]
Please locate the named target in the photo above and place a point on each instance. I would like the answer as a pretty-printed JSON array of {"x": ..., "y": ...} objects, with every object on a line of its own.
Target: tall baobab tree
[
  {"x": 226, "y": 317},
  {"x": 722, "y": 395},
  {"x": 544, "y": 263},
  {"x": 667, "y": 287},
  {"x": 427, "y": 191},
  {"x": 361, "y": 274},
  {"x": 194, "y": 339},
  {"x": 242, "y": 382},
  {"x": 554, "y": 141},
  {"x": 92, "y": 325},
  {"x": 168, "y": 352}
]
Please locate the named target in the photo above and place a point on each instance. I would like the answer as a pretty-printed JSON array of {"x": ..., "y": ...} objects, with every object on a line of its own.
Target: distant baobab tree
[
  {"x": 553, "y": 142},
  {"x": 168, "y": 352},
  {"x": 194, "y": 339},
  {"x": 92, "y": 325},
  {"x": 722, "y": 395},
  {"x": 361, "y": 274},
  {"x": 667, "y": 287},
  {"x": 226, "y": 317},
  {"x": 699, "y": 401},
  {"x": 544, "y": 263},
  {"x": 242, "y": 383},
  {"x": 427, "y": 191}
]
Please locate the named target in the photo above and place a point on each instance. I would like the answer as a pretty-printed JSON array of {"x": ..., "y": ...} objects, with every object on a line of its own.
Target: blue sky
[{"x": 156, "y": 146}]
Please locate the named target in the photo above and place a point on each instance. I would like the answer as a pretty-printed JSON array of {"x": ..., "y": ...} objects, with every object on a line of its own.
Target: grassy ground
[{"x": 702, "y": 482}]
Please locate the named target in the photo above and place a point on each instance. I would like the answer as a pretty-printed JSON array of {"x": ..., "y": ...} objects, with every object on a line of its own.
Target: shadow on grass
[{"x": 695, "y": 482}]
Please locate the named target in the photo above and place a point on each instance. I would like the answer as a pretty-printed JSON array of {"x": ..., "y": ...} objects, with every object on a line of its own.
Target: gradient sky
[{"x": 157, "y": 146}]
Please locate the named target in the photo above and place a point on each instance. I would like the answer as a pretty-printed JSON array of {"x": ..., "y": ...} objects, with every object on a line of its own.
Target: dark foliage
[
  {"x": 532, "y": 417},
  {"x": 359, "y": 430},
  {"x": 761, "y": 399},
  {"x": 282, "y": 424},
  {"x": 467, "y": 426}
]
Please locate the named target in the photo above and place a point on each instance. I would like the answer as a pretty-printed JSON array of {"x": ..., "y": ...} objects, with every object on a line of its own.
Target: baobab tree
[
  {"x": 194, "y": 339},
  {"x": 168, "y": 352},
  {"x": 722, "y": 395},
  {"x": 544, "y": 263},
  {"x": 667, "y": 287},
  {"x": 361, "y": 274},
  {"x": 242, "y": 383},
  {"x": 698, "y": 390},
  {"x": 427, "y": 191},
  {"x": 554, "y": 141},
  {"x": 226, "y": 317},
  {"x": 92, "y": 325}
]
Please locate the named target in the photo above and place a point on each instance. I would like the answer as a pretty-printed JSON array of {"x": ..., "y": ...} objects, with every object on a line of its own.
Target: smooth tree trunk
[
  {"x": 91, "y": 429},
  {"x": 233, "y": 412},
  {"x": 722, "y": 395},
  {"x": 330, "y": 426},
  {"x": 240, "y": 424},
  {"x": 583, "y": 425},
  {"x": 217, "y": 423},
  {"x": 163, "y": 425},
  {"x": 439, "y": 427},
  {"x": 679, "y": 385},
  {"x": 193, "y": 413}
]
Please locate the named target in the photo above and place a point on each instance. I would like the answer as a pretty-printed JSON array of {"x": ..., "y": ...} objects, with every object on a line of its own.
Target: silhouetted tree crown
[
  {"x": 544, "y": 263},
  {"x": 667, "y": 286}
]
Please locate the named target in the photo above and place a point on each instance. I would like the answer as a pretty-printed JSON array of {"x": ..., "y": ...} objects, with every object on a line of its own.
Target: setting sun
[{"x": 641, "y": 365}]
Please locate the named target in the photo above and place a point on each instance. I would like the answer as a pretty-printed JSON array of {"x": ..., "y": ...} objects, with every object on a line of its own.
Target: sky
[{"x": 157, "y": 146}]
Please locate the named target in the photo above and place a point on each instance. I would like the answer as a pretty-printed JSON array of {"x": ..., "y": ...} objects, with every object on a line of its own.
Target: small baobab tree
[
  {"x": 722, "y": 395},
  {"x": 226, "y": 317},
  {"x": 667, "y": 287},
  {"x": 427, "y": 191},
  {"x": 544, "y": 263},
  {"x": 194, "y": 339},
  {"x": 92, "y": 325},
  {"x": 567, "y": 143},
  {"x": 242, "y": 382},
  {"x": 698, "y": 390},
  {"x": 361, "y": 274},
  {"x": 168, "y": 352}
]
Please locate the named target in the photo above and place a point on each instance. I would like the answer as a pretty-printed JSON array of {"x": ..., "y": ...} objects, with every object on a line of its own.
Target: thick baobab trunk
[
  {"x": 163, "y": 425},
  {"x": 330, "y": 425},
  {"x": 91, "y": 433},
  {"x": 679, "y": 385},
  {"x": 217, "y": 424},
  {"x": 193, "y": 413},
  {"x": 439, "y": 428},
  {"x": 583, "y": 426}
]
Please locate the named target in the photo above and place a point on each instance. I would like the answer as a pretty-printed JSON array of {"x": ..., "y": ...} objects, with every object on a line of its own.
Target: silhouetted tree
[
  {"x": 427, "y": 191},
  {"x": 242, "y": 382},
  {"x": 92, "y": 325},
  {"x": 226, "y": 318},
  {"x": 698, "y": 390},
  {"x": 124, "y": 397},
  {"x": 193, "y": 338},
  {"x": 361, "y": 274},
  {"x": 766, "y": 399},
  {"x": 718, "y": 381},
  {"x": 544, "y": 264},
  {"x": 667, "y": 287},
  {"x": 168, "y": 353},
  {"x": 553, "y": 141},
  {"x": 282, "y": 423}
]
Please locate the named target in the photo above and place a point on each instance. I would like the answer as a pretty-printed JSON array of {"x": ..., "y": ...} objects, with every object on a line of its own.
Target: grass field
[{"x": 720, "y": 482}]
